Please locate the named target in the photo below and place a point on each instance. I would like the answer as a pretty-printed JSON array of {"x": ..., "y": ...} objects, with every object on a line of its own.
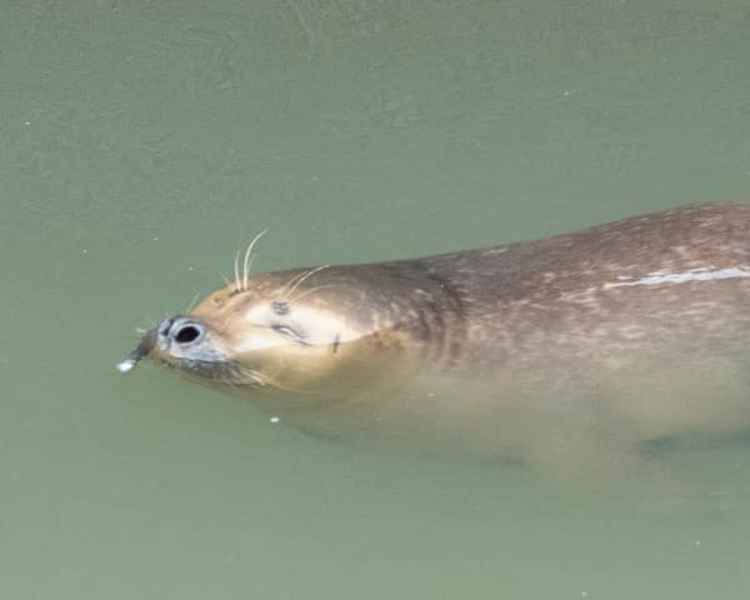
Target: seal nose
[
  {"x": 181, "y": 330},
  {"x": 163, "y": 327},
  {"x": 144, "y": 348}
]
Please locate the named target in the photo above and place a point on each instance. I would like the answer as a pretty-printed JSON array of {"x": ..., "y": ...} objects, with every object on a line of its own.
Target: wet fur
[{"x": 558, "y": 349}]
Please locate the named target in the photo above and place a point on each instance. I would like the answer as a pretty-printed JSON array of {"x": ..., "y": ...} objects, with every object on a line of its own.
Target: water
[{"x": 144, "y": 142}]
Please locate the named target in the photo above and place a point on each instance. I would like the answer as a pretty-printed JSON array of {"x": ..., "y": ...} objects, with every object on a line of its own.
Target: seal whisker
[
  {"x": 289, "y": 289},
  {"x": 247, "y": 263},
  {"x": 313, "y": 290},
  {"x": 237, "y": 270},
  {"x": 292, "y": 284},
  {"x": 240, "y": 375},
  {"x": 192, "y": 303},
  {"x": 281, "y": 292},
  {"x": 246, "y": 276}
]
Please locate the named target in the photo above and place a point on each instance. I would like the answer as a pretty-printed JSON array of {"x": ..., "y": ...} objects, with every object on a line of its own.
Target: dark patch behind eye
[{"x": 336, "y": 343}]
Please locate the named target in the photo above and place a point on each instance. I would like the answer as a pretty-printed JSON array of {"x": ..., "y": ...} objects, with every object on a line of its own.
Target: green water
[{"x": 142, "y": 142}]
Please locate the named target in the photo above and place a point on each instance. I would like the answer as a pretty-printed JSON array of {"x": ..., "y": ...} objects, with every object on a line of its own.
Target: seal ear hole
[{"x": 187, "y": 334}]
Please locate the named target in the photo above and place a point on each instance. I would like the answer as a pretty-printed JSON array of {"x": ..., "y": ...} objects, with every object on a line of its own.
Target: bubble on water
[{"x": 126, "y": 365}]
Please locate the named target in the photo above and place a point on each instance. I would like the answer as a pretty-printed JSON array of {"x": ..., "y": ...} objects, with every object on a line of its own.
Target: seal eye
[
  {"x": 290, "y": 333},
  {"x": 280, "y": 307}
]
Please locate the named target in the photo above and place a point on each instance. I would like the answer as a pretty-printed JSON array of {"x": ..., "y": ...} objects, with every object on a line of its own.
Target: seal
[{"x": 610, "y": 338}]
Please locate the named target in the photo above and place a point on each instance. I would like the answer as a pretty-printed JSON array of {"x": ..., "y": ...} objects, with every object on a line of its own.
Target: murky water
[{"x": 143, "y": 142}]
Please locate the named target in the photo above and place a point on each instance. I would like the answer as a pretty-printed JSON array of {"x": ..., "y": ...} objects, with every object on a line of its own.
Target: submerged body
[{"x": 570, "y": 347}]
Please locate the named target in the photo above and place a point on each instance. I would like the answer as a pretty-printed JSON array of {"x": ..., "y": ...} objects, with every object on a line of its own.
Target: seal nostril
[
  {"x": 187, "y": 334},
  {"x": 164, "y": 326}
]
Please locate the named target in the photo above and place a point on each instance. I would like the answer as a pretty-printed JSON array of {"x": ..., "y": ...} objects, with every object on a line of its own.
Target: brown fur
[{"x": 575, "y": 347}]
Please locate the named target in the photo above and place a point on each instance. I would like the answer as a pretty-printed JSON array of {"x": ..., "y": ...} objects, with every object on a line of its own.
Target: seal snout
[
  {"x": 177, "y": 336},
  {"x": 142, "y": 350},
  {"x": 180, "y": 330}
]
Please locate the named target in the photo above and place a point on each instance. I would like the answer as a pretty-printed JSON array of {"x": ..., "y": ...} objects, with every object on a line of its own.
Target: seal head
[{"x": 262, "y": 337}]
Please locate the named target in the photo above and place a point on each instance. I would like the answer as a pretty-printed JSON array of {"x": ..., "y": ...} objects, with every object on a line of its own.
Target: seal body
[{"x": 573, "y": 346}]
